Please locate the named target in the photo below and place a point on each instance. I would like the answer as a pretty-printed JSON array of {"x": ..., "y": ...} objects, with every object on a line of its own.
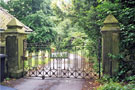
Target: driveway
[
  {"x": 49, "y": 84},
  {"x": 6, "y": 88},
  {"x": 52, "y": 84},
  {"x": 36, "y": 83}
]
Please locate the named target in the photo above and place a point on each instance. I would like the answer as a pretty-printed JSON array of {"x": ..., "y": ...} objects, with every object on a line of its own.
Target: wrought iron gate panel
[{"x": 71, "y": 62}]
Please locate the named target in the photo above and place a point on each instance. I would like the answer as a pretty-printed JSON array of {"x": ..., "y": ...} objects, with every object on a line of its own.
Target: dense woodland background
[{"x": 78, "y": 22}]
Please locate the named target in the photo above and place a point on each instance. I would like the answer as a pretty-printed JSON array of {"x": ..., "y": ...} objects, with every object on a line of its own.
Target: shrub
[
  {"x": 130, "y": 79},
  {"x": 129, "y": 87},
  {"x": 116, "y": 86},
  {"x": 111, "y": 86}
]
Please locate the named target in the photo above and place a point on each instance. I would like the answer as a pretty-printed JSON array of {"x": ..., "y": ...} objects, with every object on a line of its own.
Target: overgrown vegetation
[
  {"x": 78, "y": 23},
  {"x": 36, "y": 14},
  {"x": 90, "y": 15},
  {"x": 113, "y": 83},
  {"x": 116, "y": 86}
]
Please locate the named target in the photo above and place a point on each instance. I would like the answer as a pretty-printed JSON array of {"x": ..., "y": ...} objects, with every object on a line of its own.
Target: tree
[
  {"x": 91, "y": 19},
  {"x": 35, "y": 14},
  {"x": 42, "y": 26}
]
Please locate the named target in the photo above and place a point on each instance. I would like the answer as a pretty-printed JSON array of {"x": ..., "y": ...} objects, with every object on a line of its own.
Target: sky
[{"x": 68, "y": 1}]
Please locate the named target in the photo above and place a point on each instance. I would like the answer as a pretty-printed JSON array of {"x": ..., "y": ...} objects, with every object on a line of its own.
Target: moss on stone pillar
[
  {"x": 110, "y": 44},
  {"x": 15, "y": 35}
]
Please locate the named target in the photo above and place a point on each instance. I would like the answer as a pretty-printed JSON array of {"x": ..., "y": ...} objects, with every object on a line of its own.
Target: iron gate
[{"x": 70, "y": 62}]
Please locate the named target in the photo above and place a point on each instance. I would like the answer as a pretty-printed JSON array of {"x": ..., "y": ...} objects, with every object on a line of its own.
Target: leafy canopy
[{"x": 35, "y": 14}]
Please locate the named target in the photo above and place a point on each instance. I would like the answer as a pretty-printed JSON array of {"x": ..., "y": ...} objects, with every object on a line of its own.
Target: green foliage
[
  {"x": 69, "y": 35},
  {"x": 2, "y": 3},
  {"x": 37, "y": 15},
  {"x": 95, "y": 62},
  {"x": 129, "y": 87},
  {"x": 116, "y": 86},
  {"x": 111, "y": 83},
  {"x": 91, "y": 19},
  {"x": 70, "y": 31},
  {"x": 22, "y": 8},
  {"x": 128, "y": 33},
  {"x": 42, "y": 26},
  {"x": 78, "y": 23},
  {"x": 60, "y": 9},
  {"x": 111, "y": 86},
  {"x": 86, "y": 15},
  {"x": 126, "y": 70},
  {"x": 115, "y": 57},
  {"x": 125, "y": 16},
  {"x": 105, "y": 79},
  {"x": 90, "y": 16},
  {"x": 130, "y": 79},
  {"x": 7, "y": 79}
]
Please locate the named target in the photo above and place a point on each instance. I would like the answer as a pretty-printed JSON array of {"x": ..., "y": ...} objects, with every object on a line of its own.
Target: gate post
[
  {"x": 14, "y": 37},
  {"x": 110, "y": 45}
]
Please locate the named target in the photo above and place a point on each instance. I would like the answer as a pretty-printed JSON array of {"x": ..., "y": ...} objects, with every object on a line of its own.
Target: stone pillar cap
[
  {"x": 15, "y": 26},
  {"x": 14, "y": 22},
  {"x": 110, "y": 19},
  {"x": 110, "y": 24}
]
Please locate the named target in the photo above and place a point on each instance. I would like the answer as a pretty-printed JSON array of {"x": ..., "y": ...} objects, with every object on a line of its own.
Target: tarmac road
[
  {"x": 36, "y": 83},
  {"x": 49, "y": 84}
]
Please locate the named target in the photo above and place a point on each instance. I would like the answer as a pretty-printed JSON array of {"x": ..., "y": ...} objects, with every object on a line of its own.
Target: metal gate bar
[{"x": 60, "y": 63}]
